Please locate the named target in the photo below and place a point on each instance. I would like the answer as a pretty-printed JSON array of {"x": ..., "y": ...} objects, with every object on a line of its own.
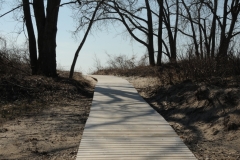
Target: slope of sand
[{"x": 205, "y": 116}]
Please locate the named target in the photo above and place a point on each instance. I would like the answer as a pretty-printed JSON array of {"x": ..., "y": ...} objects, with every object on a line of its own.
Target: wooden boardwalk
[{"x": 121, "y": 125}]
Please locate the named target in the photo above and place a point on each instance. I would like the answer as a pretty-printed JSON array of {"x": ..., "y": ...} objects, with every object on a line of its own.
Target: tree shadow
[
  {"x": 119, "y": 114},
  {"x": 189, "y": 104}
]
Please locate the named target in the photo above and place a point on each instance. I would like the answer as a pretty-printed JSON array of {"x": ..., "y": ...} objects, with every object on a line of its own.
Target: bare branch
[
  {"x": 72, "y": 2},
  {"x": 11, "y": 10}
]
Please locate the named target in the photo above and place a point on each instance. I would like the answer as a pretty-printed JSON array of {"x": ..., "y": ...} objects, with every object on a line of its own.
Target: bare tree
[
  {"x": 48, "y": 62},
  {"x": 228, "y": 33},
  {"x": 160, "y": 32},
  {"x": 190, "y": 20},
  {"x": 134, "y": 16},
  {"x": 227, "y": 23},
  {"x": 31, "y": 37},
  {"x": 150, "y": 46},
  {"x": 46, "y": 23},
  {"x": 172, "y": 31},
  {"x": 84, "y": 38},
  {"x": 203, "y": 27},
  {"x": 132, "y": 22},
  {"x": 213, "y": 28}
]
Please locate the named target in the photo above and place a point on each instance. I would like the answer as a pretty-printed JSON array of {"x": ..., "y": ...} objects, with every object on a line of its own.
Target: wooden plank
[
  {"x": 128, "y": 127},
  {"x": 121, "y": 125},
  {"x": 101, "y": 121},
  {"x": 132, "y": 140}
]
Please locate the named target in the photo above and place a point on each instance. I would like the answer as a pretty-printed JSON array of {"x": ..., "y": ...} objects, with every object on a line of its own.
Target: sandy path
[{"x": 51, "y": 131}]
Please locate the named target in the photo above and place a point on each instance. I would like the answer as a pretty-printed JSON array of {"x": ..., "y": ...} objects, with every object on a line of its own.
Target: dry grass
[
  {"x": 14, "y": 62},
  {"x": 40, "y": 117},
  {"x": 193, "y": 69},
  {"x": 21, "y": 92},
  {"x": 142, "y": 71}
]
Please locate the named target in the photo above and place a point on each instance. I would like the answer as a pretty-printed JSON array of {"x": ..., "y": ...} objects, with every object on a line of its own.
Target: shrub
[
  {"x": 14, "y": 61},
  {"x": 187, "y": 68}
]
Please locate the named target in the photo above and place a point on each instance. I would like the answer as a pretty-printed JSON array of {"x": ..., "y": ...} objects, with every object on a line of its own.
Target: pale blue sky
[{"x": 97, "y": 43}]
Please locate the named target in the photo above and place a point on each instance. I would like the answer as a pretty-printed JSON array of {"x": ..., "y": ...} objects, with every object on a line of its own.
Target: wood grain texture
[{"x": 121, "y": 125}]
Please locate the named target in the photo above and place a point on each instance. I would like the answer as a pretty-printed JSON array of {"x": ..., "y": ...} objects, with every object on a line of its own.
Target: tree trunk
[
  {"x": 200, "y": 31},
  {"x": 223, "y": 49},
  {"x": 31, "y": 37},
  {"x": 226, "y": 37},
  {"x": 150, "y": 35},
  {"x": 206, "y": 39},
  {"x": 48, "y": 64},
  {"x": 83, "y": 41},
  {"x": 194, "y": 37},
  {"x": 39, "y": 12},
  {"x": 222, "y": 46},
  {"x": 174, "y": 49},
  {"x": 213, "y": 29},
  {"x": 171, "y": 37},
  {"x": 159, "y": 57}
]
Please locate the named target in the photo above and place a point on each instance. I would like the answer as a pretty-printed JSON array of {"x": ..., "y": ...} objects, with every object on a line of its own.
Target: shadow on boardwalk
[{"x": 122, "y": 125}]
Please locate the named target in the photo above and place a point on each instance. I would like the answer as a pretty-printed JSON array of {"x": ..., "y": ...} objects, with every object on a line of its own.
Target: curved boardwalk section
[{"x": 121, "y": 125}]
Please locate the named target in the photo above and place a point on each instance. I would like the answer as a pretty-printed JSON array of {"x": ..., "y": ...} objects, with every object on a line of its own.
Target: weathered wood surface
[{"x": 121, "y": 125}]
